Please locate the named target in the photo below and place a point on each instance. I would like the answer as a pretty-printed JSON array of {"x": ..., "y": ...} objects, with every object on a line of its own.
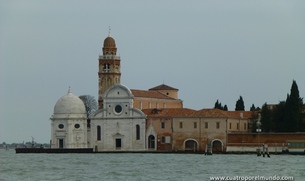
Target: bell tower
[{"x": 109, "y": 68}]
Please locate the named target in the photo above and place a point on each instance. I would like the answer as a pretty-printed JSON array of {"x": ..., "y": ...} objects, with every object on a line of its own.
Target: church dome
[
  {"x": 69, "y": 104},
  {"x": 109, "y": 42}
]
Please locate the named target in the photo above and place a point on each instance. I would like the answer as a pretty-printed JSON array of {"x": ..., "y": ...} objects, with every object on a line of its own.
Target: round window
[
  {"x": 76, "y": 126},
  {"x": 61, "y": 126},
  {"x": 118, "y": 109}
]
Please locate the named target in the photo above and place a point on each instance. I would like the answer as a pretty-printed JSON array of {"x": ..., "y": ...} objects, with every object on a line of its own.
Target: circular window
[
  {"x": 118, "y": 109},
  {"x": 61, "y": 126},
  {"x": 76, "y": 126}
]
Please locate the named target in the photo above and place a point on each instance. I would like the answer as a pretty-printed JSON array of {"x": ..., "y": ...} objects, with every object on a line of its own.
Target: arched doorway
[
  {"x": 216, "y": 146},
  {"x": 151, "y": 142},
  {"x": 190, "y": 145}
]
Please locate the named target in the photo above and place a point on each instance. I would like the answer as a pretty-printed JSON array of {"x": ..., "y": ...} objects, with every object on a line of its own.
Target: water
[{"x": 144, "y": 166}]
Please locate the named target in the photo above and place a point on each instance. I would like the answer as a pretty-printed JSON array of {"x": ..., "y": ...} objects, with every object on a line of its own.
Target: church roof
[
  {"x": 169, "y": 112},
  {"x": 69, "y": 104},
  {"x": 242, "y": 114},
  {"x": 149, "y": 94},
  {"x": 207, "y": 113},
  {"x": 109, "y": 42},
  {"x": 212, "y": 113},
  {"x": 163, "y": 87}
]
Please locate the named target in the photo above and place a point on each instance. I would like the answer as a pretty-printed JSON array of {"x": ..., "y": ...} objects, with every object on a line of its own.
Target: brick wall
[{"x": 252, "y": 138}]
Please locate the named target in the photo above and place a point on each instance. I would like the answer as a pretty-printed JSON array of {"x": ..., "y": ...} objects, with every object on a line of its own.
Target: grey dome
[{"x": 69, "y": 104}]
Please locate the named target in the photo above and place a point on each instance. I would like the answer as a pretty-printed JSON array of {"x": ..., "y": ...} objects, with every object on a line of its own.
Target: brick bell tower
[{"x": 109, "y": 68}]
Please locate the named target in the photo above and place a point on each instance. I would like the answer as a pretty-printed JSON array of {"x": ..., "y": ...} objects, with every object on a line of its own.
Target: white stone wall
[
  {"x": 72, "y": 137},
  {"x": 124, "y": 129},
  {"x": 118, "y": 123}
]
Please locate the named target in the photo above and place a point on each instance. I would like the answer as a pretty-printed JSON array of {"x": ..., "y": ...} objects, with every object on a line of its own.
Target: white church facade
[
  {"x": 69, "y": 123},
  {"x": 116, "y": 127}
]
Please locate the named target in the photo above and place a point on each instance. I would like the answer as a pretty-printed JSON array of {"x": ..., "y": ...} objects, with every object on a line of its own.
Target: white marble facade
[
  {"x": 116, "y": 127},
  {"x": 69, "y": 123}
]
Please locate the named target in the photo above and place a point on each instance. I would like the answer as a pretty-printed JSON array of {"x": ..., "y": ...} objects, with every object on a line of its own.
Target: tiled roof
[
  {"x": 163, "y": 87},
  {"x": 149, "y": 94},
  {"x": 209, "y": 113},
  {"x": 243, "y": 114},
  {"x": 169, "y": 112},
  {"x": 213, "y": 113}
]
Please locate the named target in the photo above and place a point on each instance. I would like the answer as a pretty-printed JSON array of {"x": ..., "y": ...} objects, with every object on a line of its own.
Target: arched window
[
  {"x": 138, "y": 132},
  {"x": 99, "y": 131}
]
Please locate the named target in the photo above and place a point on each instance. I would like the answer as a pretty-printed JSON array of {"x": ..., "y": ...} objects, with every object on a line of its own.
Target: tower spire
[
  {"x": 69, "y": 90},
  {"x": 109, "y": 32}
]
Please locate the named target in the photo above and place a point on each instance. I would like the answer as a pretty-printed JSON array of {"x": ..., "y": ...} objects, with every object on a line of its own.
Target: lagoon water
[{"x": 130, "y": 166}]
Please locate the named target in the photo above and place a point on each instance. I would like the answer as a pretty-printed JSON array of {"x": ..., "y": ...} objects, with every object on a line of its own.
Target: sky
[{"x": 209, "y": 50}]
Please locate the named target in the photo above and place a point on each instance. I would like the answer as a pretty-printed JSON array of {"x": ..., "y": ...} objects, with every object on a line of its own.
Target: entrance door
[
  {"x": 151, "y": 142},
  {"x": 118, "y": 143},
  {"x": 191, "y": 145},
  {"x": 217, "y": 146},
  {"x": 61, "y": 143}
]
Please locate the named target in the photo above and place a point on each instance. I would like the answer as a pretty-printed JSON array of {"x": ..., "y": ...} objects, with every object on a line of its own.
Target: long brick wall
[{"x": 254, "y": 138}]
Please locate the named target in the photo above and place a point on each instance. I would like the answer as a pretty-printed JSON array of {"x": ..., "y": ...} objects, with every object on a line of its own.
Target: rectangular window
[
  {"x": 206, "y": 125},
  {"x": 245, "y": 126},
  {"x": 118, "y": 143},
  {"x": 195, "y": 124},
  {"x": 99, "y": 133},
  {"x": 230, "y": 126},
  {"x": 163, "y": 139},
  {"x": 162, "y": 125},
  {"x": 237, "y": 126},
  {"x": 167, "y": 139},
  {"x": 217, "y": 125},
  {"x": 138, "y": 132},
  {"x": 180, "y": 125}
]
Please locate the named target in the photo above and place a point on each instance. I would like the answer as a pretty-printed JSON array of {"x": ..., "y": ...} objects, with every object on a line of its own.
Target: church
[
  {"x": 140, "y": 120},
  {"x": 119, "y": 123}
]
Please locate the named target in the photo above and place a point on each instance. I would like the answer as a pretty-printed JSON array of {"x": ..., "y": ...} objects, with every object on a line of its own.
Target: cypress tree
[
  {"x": 279, "y": 117},
  {"x": 266, "y": 119},
  {"x": 293, "y": 110},
  {"x": 252, "y": 108},
  {"x": 239, "y": 106},
  {"x": 225, "y": 108},
  {"x": 216, "y": 104}
]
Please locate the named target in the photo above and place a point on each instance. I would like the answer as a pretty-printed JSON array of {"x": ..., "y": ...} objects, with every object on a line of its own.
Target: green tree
[
  {"x": 219, "y": 106},
  {"x": 267, "y": 119},
  {"x": 239, "y": 106},
  {"x": 293, "y": 109},
  {"x": 278, "y": 117},
  {"x": 252, "y": 108},
  {"x": 225, "y": 108},
  {"x": 216, "y": 106}
]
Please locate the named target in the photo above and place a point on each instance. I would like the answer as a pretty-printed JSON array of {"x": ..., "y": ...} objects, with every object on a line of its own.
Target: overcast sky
[{"x": 209, "y": 50}]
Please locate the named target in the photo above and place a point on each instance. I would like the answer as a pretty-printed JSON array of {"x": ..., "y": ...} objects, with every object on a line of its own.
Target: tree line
[
  {"x": 239, "y": 106},
  {"x": 286, "y": 116}
]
